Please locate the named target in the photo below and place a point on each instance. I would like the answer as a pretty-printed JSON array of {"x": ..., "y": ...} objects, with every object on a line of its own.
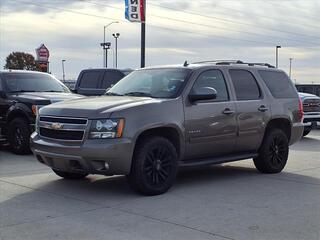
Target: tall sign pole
[
  {"x": 136, "y": 12},
  {"x": 143, "y": 35}
]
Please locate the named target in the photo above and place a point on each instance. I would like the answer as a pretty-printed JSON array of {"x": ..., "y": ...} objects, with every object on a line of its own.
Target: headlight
[{"x": 106, "y": 128}]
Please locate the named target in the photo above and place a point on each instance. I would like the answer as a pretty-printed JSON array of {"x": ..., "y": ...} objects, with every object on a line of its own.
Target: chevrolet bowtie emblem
[{"x": 56, "y": 126}]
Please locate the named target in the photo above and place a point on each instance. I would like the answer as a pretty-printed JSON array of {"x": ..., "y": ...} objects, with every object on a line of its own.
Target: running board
[{"x": 217, "y": 160}]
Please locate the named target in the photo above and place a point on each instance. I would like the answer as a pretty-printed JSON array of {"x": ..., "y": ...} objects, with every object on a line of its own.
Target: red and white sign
[{"x": 42, "y": 53}]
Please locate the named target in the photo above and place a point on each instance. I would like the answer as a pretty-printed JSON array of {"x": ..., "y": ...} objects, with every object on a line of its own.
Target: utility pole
[
  {"x": 104, "y": 45},
  {"x": 116, "y": 36},
  {"x": 63, "y": 73},
  {"x": 277, "y": 56},
  {"x": 143, "y": 38},
  {"x": 290, "y": 59}
]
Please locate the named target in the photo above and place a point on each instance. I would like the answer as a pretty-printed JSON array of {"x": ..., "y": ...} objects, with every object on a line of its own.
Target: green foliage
[{"x": 21, "y": 61}]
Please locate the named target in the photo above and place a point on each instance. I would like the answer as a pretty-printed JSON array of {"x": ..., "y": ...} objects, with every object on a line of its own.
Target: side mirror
[
  {"x": 204, "y": 93},
  {"x": 3, "y": 94}
]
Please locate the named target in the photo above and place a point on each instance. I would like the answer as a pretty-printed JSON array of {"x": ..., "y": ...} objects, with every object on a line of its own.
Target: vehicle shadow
[{"x": 57, "y": 197}]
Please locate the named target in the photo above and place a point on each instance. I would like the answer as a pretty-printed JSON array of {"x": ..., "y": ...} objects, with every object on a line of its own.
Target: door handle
[
  {"x": 263, "y": 108},
  {"x": 228, "y": 111}
]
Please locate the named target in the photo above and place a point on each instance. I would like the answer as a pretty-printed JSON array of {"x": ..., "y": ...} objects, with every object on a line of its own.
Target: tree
[{"x": 21, "y": 61}]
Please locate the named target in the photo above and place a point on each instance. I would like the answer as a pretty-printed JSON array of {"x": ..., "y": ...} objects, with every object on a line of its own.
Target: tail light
[{"x": 300, "y": 113}]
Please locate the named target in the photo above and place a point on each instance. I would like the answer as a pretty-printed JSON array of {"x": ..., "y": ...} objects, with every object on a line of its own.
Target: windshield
[
  {"x": 157, "y": 83},
  {"x": 33, "y": 82}
]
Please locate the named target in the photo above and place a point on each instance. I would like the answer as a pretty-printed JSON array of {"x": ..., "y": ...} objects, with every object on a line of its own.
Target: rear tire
[
  {"x": 70, "y": 175},
  {"x": 307, "y": 130},
  {"x": 154, "y": 166},
  {"x": 273, "y": 153},
  {"x": 19, "y": 136}
]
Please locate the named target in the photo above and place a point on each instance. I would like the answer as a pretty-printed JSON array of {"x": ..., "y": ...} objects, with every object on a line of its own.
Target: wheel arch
[
  {"x": 280, "y": 123},
  {"x": 169, "y": 132}
]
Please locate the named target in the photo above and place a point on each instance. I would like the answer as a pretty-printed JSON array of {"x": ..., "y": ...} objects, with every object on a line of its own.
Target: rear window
[
  {"x": 110, "y": 78},
  {"x": 90, "y": 79},
  {"x": 278, "y": 83}
]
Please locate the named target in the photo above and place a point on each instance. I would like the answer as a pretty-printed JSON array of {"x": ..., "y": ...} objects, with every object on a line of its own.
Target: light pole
[
  {"x": 277, "y": 55},
  {"x": 290, "y": 59},
  {"x": 116, "y": 36},
  {"x": 105, "y": 50},
  {"x": 63, "y": 74}
]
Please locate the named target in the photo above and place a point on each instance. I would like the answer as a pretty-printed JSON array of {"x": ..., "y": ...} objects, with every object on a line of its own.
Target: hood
[
  {"x": 95, "y": 107},
  {"x": 44, "y": 98},
  {"x": 307, "y": 95}
]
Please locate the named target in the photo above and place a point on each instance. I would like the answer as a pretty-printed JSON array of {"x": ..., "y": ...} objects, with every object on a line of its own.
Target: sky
[{"x": 176, "y": 31}]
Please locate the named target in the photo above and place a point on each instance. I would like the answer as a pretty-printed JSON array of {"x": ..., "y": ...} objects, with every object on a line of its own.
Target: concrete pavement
[{"x": 229, "y": 201}]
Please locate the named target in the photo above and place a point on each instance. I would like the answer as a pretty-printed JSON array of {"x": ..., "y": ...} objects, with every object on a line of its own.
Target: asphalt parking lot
[{"x": 229, "y": 201}]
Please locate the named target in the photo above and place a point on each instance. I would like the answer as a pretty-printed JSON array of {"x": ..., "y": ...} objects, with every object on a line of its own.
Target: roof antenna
[{"x": 186, "y": 64}]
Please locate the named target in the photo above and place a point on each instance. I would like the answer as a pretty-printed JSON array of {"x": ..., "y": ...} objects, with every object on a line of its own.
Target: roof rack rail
[
  {"x": 229, "y": 62},
  {"x": 217, "y": 61},
  {"x": 260, "y": 64}
]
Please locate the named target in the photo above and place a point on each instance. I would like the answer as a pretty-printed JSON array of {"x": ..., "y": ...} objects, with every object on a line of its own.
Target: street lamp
[
  {"x": 105, "y": 57},
  {"x": 63, "y": 73},
  {"x": 116, "y": 36},
  {"x": 290, "y": 59},
  {"x": 277, "y": 55},
  {"x": 106, "y": 47}
]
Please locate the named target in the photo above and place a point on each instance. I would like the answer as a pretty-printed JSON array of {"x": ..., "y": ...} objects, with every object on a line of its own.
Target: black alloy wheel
[
  {"x": 19, "y": 135},
  {"x": 273, "y": 153},
  {"x": 154, "y": 166},
  {"x": 158, "y": 165}
]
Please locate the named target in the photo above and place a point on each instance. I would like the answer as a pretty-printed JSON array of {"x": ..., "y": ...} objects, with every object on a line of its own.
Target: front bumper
[
  {"x": 98, "y": 156},
  {"x": 310, "y": 119}
]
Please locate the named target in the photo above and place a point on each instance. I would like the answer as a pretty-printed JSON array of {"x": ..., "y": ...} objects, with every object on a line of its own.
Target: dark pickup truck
[{"x": 22, "y": 93}]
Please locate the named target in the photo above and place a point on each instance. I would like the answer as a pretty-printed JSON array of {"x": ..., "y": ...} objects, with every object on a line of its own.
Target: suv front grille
[
  {"x": 311, "y": 105},
  {"x": 60, "y": 128},
  {"x": 62, "y": 134}
]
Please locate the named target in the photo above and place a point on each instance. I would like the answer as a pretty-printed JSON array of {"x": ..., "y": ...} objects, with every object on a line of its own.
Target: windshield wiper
[
  {"x": 138, "y": 94},
  {"x": 22, "y": 91},
  {"x": 113, "y": 94},
  {"x": 51, "y": 91}
]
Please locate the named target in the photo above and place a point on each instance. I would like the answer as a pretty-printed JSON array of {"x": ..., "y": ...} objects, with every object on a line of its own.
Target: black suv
[
  {"x": 22, "y": 93},
  {"x": 95, "y": 82}
]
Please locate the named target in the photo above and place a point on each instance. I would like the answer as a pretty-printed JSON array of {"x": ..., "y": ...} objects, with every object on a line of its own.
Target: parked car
[
  {"x": 311, "y": 109},
  {"x": 22, "y": 93},
  {"x": 309, "y": 88},
  {"x": 95, "y": 82},
  {"x": 160, "y": 118}
]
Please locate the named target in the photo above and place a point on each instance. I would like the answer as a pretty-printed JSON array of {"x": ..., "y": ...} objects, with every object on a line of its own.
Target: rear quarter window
[{"x": 278, "y": 84}]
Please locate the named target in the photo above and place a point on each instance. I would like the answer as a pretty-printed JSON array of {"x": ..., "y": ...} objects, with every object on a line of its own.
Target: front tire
[
  {"x": 19, "y": 136},
  {"x": 154, "y": 166},
  {"x": 70, "y": 175},
  {"x": 273, "y": 153}
]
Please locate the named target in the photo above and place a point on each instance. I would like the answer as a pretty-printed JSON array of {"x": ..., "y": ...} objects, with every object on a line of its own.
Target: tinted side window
[
  {"x": 110, "y": 78},
  {"x": 90, "y": 79},
  {"x": 213, "y": 79},
  {"x": 278, "y": 84},
  {"x": 245, "y": 85}
]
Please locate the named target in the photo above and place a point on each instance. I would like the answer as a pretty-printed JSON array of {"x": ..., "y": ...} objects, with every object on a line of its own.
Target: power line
[
  {"x": 233, "y": 21},
  {"x": 267, "y": 17},
  {"x": 152, "y": 25},
  {"x": 206, "y": 25}
]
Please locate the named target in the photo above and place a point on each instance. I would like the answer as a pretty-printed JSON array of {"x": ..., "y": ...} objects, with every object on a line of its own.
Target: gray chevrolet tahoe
[{"x": 158, "y": 119}]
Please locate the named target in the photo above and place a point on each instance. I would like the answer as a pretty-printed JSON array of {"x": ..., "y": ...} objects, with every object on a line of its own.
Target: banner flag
[{"x": 135, "y": 10}]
